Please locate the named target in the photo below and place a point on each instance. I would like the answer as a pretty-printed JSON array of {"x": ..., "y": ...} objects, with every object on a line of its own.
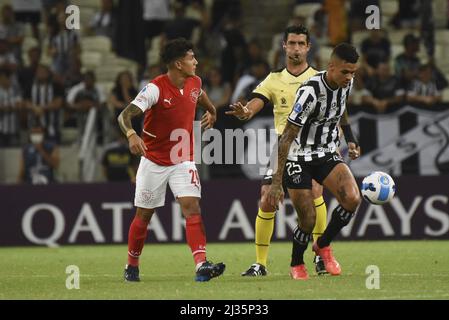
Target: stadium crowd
[{"x": 51, "y": 76}]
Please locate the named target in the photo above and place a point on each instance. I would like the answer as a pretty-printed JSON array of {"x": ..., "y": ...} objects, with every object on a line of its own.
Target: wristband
[
  {"x": 349, "y": 137},
  {"x": 130, "y": 132}
]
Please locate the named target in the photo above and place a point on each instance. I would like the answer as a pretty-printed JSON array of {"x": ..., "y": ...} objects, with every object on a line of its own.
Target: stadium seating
[
  {"x": 96, "y": 43},
  {"x": 91, "y": 59}
]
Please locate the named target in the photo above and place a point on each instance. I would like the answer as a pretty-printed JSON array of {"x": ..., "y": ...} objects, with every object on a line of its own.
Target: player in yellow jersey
[{"x": 280, "y": 87}]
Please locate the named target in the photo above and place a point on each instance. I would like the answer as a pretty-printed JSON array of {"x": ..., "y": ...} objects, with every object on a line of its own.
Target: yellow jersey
[{"x": 279, "y": 88}]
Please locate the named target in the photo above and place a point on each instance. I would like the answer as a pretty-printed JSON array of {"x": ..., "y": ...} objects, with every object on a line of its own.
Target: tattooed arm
[
  {"x": 136, "y": 145},
  {"x": 276, "y": 193}
]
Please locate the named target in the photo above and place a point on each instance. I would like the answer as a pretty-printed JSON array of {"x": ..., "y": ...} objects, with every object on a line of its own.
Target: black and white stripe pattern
[
  {"x": 9, "y": 119},
  {"x": 342, "y": 214},
  {"x": 317, "y": 110},
  {"x": 301, "y": 237},
  {"x": 42, "y": 94},
  {"x": 64, "y": 41},
  {"x": 420, "y": 88}
]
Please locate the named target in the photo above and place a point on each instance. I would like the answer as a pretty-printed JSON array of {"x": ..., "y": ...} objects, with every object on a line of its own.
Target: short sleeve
[
  {"x": 304, "y": 105},
  {"x": 147, "y": 97},
  {"x": 262, "y": 90}
]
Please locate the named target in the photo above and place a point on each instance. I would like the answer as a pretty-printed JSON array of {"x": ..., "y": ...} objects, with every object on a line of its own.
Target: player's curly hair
[
  {"x": 175, "y": 49},
  {"x": 297, "y": 29},
  {"x": 346, "y": 52}
]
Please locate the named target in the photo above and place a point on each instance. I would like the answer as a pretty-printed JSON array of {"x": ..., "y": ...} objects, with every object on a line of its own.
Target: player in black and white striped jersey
[
  {"x": 308, "y": 149},
  {"x": 317, "y": 110}
]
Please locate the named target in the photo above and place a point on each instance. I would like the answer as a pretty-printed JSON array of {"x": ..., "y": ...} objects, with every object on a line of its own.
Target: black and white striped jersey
[{"x": 317, "y": 110}]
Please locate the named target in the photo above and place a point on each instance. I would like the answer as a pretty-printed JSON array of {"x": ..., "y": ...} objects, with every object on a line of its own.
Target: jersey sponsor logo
[
  {"x": 194, "y": 94},
  {"x": 283, "y": 100},
  {"x": 168, "y": 101}
]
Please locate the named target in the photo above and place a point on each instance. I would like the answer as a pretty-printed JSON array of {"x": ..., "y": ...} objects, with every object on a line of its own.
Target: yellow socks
[
  {"x": 264, "y": 231},
  {"x": 321, "y": 218}
]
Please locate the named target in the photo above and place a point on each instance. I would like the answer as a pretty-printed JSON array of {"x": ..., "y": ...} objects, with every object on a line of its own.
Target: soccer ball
[{"x": 378, "y": 188}]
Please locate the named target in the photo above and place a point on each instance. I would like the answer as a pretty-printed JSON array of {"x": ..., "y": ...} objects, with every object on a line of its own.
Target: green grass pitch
[{"x": 408, "y": 270}]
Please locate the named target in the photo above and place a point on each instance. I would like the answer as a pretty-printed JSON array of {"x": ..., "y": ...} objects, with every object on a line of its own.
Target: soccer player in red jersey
[{"x": 166, "y": 148}]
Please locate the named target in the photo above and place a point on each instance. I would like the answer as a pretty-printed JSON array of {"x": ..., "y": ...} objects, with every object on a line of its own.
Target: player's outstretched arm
[
  {"x": 136, "y": 145},
  {"x": 276, "y": 193},
  {"x": 209, "y": 118},
  {"x": 246, "y": 112}
]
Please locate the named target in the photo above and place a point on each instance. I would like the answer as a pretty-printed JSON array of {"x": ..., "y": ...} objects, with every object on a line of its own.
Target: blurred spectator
[
  {"x": 424, "y": 90},
  {"x": 10, "y": 103},
  {"x": 254, "y": 53},
  {"x": 219, "y": 92},
  {"x": 13, "y": 32},
  {"x": 40, "y": 158},
  {"x": 234, "y": 49},
  {"x": 248, "y": 82},
  {"x": 359, "y": 94},
  {"x": 406, "y": 64},
  {"x": 440, "y": 79},
  {"x": 44, "y": 101},
  {"x": 385, "y": 89},
  {"x": 338, "y": 21},
  {"x": 131, "y": 47},
  {"x": 7, "y": 59},
  {"x": 181, "y": 26},
  {"x": 73, "y": 75},
  {"x": 26, "y": 73},
  {"x": 118, "y": 163},
  {"x": 104, "y": 22},
  {"x": 156, "y": 14},
  {"x": 222, "y": 9},
  {"x": 150, "y": 73},
  {"x": 407, "y": 15},
  {"x": 196, "y": 10},
  {"x": 84, "y": 96},
  {"x": 376, "y": 48},
  {"x": 63, "y": 43},
  {"x": 123, "y": 94},
  {"x": 27, "y": 11}
]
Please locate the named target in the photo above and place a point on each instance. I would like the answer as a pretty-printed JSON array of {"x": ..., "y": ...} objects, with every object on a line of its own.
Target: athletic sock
[
  {"x": 136, "y": 240},
  {"x": 196, "y": 237},
  {"x": 300, "y": 241},
  {"x": 264, "y": 231},
  {"x": 340, "y": 218},
  {"x": 321, "y": 218}
]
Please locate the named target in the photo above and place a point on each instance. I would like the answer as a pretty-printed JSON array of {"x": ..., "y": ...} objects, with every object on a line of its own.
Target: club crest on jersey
[{"x": 194, "y": 94}]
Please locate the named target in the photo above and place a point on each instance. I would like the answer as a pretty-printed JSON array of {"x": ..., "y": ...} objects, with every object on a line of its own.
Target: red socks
[
  {"x": 196, "y": 237},
  {"x": 136, "y": 239}
]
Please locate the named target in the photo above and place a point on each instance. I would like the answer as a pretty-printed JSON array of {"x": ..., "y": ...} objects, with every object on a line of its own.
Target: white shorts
[{"x": 151, "y": 182}]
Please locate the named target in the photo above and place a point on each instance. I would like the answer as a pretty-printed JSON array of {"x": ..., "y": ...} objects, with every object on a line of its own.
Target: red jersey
[{"x": 169, "y": 115}]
